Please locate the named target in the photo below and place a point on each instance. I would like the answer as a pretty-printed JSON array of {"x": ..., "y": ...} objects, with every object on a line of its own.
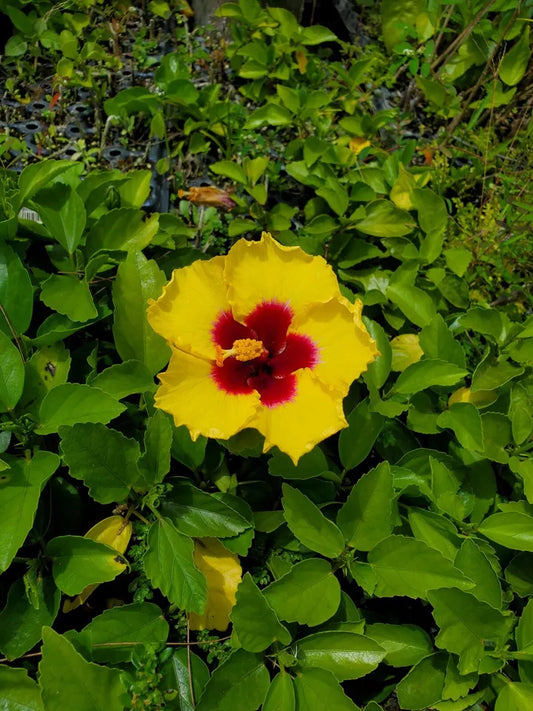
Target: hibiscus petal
[
  {"x": 268, "y": 271},
  {"x": 190, "y": 394},
  {"x": 297, "y": 426},
  {"x": 226, "y": 330},
  {"x": 299, "y": 352},
  {"x": 189, "y": 306},
  {"x": 345, "y": 347},
  {"x": 270, "y": 321}
]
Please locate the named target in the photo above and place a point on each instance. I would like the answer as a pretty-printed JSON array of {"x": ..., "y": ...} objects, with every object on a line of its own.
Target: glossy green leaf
[
  {"x": 239, "y": 684},
  {"x": 514, "y": 696},
  {"x": 196, "y": 513},
  {"x": 11, "y": 374},
  {"x": 63, "y": 214},
  {"x": 435, "y": 530},
  {"x": 466, "y": 625},
  {"x": 423, "y": 685},
  {"x": 137, "y": 281},
  {"x": 345, "y": 654},
  {"x": 313, "y": 686},
  {"x": 102, "y": 458},
  {"x": 21, "y": 620},
  {"x": 416, "y": 304},
  {"x": 16, "y": 292},
  {"x": 280, "y": 696},
  {"x": 426, "y": 374},
  {"x": 524, "y": 640},
  {"x": 79, "y": 561},
  {"x": 36, "y": 176},
  {"x": 123, "y": 229},
  {"x": 70, "y": 296},
  {"x": 68, "y": 681},
  {"x": 383, "y": 219},
  {"x": 492, "y": 373},
  {"x": 405, "y": 566},
  {"x": 474, "y": 564},
  {"x": 366, "y": 517},
  {"x": 514, "y": 64},
  {"x": 118, "y": 633},
  {"x": 510, "y": 529},
  {"x": 18, "y": 692},
  {"x": 254, "y": 621},
  {"x": 378, "y": 371},
  {"x": 311, "y": 464},
  {"x": 521, "y": 413},
  {"x": 154, "y": 464},
  {"x": 309, "y": 524},
  {"x": 169, "y": 565},
  {"x": 73, "y": 403},
  {"x": 465, "y": 421},
  {"x": 405, "y": 645},
  {"x": 354, "y": 448},
  {"x": 308, "y": 594},
  {"x": 177, "y": 673},
  {"x": 20, "y": 489},
  {"x": 124, "y": 379}
]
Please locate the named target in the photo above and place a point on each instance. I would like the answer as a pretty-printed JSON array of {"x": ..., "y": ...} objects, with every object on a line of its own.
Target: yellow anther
[{"x": 243, "y": 349}]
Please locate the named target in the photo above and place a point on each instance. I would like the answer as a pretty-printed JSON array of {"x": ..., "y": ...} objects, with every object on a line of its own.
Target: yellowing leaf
[
  {"x": 480, "y": 398},
  {"x": 115, "y": 532},
  {"x": 405, "y": 351},
  {"x": 301, "y": 59},
  {"x": 401, "y": 193},
  {"x": 358, "y": 143},
  {"x": 223, "y": 573}
]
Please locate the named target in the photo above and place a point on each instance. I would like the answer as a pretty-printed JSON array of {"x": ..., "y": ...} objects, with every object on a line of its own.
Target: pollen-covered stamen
[{"x": 243, "y": 349}]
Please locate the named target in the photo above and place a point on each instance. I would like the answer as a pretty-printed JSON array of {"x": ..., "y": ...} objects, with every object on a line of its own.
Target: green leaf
[
  {"x": 428, "y": 373},
  {"x": 311, "y": 464},
  {"x": 491, "y": 373},
  {"x": 416, "y": 304},
  {"x": 137, "y": 281},
  {"x": 21, "y": 620},
  {"x": 435, "y": 530},
  {"x": 383, "y": 219},
  {"x": 345, "y": 654},
  {"x": 239, "y": 684},
  {"x": 473, "y": 562},
  {"x": 177, "y": 673},
  {"x": 510, "y": 529},
  {"x": 514, "y": 696},
  {"x": 514, "y": 64},
  {"x": 20, "y": 489},
  {"x": 464, "y": 419},
  {"x": 16, "y": 292},
  {"x": 405, "y": 566},
  {"x": 271, "y": 115},
  {"x": 196, "y": 513},
  {"x": 124, "y": 379},
  {"x": 314, "y": 686},
  {"x": 280, "y": 696},
  {"x": 79, "y": 561},
  {"x": 467, "y": 625},
  {"x": 524, "y": 639},
  {"x": 424, "y": 684},
  {"x": 405, "y": 645},
  {"x": 155, "y": 462},
  {"x": 366, "y": 517},
  {"x": 184, "y": 450},
  {"x": 432, "y": 213},
  {"x": 437, "y": 341},
  {"x": 49, "y": 366},
  {"x": 68, "y": 681},
  {"x": 18, "y": 692},
  {"x": 229, "y": 169},
  {"x": 521, "y": 413},
  {"x": 309, "y": 524},
  {"x": 316, "y": 34},
  {"x": 34, "y": 177},
  {"x": 119, "y": 633},
  {"x": 63, "y": 214},
  {"x": 336, "y": 197},
  {"x": 11, "y": 374},
  {"x": 123, "y": 229},
  {"x": 73, "y": 403},
  {"x": 308, "y": 594},
  {"x": 254, "y": 621},
  {"x": 354, "y": 448},
  {"x": 169, "y": 565},
  {"x": 70, "y": 296},
  {"x": 102, "y": 458}
]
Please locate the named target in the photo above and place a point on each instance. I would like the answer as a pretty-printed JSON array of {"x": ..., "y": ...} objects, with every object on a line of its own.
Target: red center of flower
[{"x": 260, "y": 355}]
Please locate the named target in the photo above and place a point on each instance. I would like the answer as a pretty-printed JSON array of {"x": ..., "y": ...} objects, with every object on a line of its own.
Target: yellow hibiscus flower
[{"x": 260, "y": 338}]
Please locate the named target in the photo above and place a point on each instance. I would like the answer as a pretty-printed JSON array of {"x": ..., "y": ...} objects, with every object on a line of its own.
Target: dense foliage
[{"x": 391, "y": 567}]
